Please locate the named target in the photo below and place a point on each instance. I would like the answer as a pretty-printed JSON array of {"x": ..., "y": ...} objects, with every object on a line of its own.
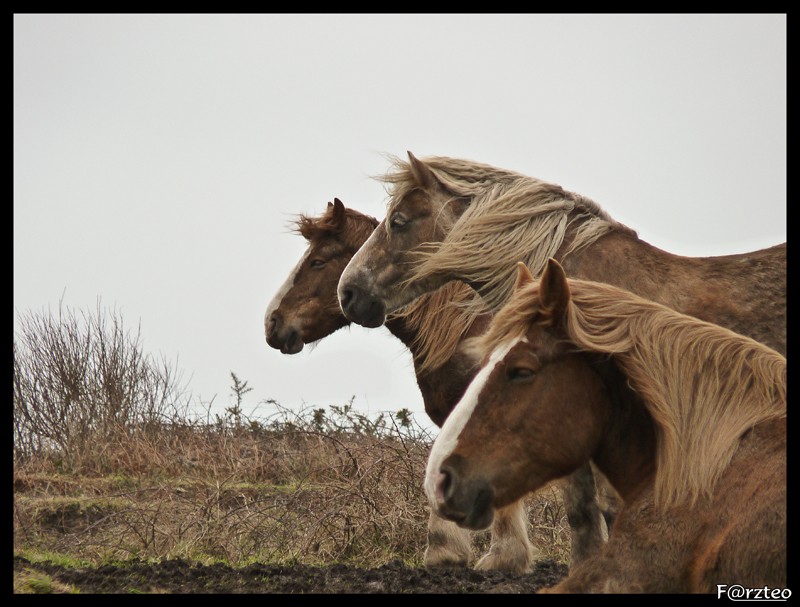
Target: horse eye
[
  {"x": 519, "y": 373},
  {"x": 398, "y": 221},
  {"x": 317, "y": 263}
]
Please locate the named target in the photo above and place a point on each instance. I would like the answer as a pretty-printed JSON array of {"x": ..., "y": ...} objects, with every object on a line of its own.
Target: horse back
[{"x": 745, "y": 292}]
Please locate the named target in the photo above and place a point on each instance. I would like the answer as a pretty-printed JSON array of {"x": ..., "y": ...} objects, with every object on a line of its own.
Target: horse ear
[
  {"x": 337, "y": 215},
  {"x": 422, "y": 174},
  {"x": 553, "y": 292},
  {"x": 524, "y": 276}
]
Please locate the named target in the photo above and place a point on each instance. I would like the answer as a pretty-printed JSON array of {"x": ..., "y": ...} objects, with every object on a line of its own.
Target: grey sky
[{"x": 159, "y": 159}]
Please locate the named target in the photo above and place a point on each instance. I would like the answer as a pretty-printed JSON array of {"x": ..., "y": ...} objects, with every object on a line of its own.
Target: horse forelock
[
  {"x": 354, "y": 232},
  {"x": 464, "y": 178}
]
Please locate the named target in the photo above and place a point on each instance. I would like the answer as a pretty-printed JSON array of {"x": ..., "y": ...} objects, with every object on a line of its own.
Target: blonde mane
[
  {"x": 440, "y": 320},
  {"x": 511, "y": 217},
  {"x": 438, "y": 326},
  {"x": 703, "y": 384}
]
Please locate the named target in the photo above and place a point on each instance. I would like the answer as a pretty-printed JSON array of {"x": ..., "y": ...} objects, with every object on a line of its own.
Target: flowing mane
[
  {"x": 438, "y": 325},
  {"x": 704, "y": 385},
  {"x": 440, "y": 320},
  {"x": 511, "y": 217}
]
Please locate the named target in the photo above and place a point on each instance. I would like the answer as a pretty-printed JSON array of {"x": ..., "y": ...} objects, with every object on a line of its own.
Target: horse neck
[
  {"x": 442, "y": 387},
  {"x": 626, "y": 452},
  {"x": 400, "y": 328}
]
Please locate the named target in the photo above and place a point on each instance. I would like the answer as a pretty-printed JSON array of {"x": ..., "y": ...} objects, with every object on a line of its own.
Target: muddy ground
[{"x": 182, "y": 577}]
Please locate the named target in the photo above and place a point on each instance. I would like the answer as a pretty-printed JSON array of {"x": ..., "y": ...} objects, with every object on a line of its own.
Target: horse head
[
  {"x": 533, "y": 413},
  {"x": 419, "y": 215},
  {"x": 306, "y": 309}
]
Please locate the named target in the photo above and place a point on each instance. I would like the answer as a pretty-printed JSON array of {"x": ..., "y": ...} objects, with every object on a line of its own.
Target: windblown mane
[
  {"x": 439, "y": 320},
  {"x": 511, "y": 217},
  {"x": 438, "y": 327},
  {"x": 703, "y": 384}
]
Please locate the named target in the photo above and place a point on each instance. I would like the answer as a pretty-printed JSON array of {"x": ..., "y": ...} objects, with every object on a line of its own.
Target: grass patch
[{"x": 309, "y": 488}]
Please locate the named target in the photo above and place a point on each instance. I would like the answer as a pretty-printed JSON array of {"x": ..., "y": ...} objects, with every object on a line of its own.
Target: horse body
[
  {"x": 306, "y": 309},
  {"x": 685, "y": 418}
]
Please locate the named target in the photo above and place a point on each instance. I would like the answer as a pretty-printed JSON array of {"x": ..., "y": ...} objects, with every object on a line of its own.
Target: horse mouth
[
  {"x": 481, "y": 514},
  {"x": 361, "y": 308},
  {"x": 287, "y": 343},
  {"x": 478, "y": 516},
  {"x": 293, "y": 344}
]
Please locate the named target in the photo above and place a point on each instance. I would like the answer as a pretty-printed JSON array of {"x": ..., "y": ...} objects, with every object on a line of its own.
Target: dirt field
[{"x": 182, "y": 577}]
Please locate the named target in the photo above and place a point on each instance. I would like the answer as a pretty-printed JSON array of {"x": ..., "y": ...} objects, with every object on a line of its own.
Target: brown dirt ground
[{"x": 183, "y": 577}]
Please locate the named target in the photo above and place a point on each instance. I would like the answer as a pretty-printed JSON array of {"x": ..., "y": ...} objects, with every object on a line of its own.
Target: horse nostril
[
  {"x": 293, "y": 343},
  {"x": 346, "y": 297},
  {"x": 444, "y": 483},
  {"x": 272, "y": 325}
]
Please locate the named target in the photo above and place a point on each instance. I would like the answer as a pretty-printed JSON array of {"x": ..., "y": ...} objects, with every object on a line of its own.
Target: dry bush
[
  {"x": 273, "y": 490},
  {"x": 80, "y": 378},
  {"x": 304, "y": 487}
]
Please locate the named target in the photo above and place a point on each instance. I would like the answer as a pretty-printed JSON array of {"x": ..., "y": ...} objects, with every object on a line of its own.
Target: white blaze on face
[
  {"x": 447, "y": 439},
  {"x": 288, "y": 284},
  {"x": 359, "y": 267}
]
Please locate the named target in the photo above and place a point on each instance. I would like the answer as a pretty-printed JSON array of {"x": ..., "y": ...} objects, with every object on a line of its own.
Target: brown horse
[
  {"x": 687, "y": 419},
  {"x": 452, "y": 219},
  {"x": 306, "y": 309}
]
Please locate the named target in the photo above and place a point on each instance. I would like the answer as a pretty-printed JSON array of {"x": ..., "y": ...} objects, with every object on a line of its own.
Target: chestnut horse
[
  {"x": 452, "y": 219},
  {"x": 687, "y": 419},
  {"x": 306, "y": 309}
]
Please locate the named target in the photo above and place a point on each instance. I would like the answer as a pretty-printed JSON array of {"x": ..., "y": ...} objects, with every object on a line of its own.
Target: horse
[
  {"x": 305, "y": 310},
  {"x": 454, "y": 219},
  {"x": 686, "y": 418}
]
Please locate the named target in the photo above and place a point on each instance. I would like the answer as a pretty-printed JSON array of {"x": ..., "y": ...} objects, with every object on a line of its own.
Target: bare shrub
[{"x": 81, "y": 379}]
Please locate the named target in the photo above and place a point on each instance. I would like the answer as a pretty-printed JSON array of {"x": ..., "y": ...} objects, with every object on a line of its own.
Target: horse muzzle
[
  {"x": 282, "y": 336},
  {"x": 360, "y": 307},
  {"x": 466, "y": 502}
]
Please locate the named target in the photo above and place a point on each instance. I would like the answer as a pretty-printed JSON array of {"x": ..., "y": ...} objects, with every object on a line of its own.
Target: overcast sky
[{"x": 159, "y": 160}]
